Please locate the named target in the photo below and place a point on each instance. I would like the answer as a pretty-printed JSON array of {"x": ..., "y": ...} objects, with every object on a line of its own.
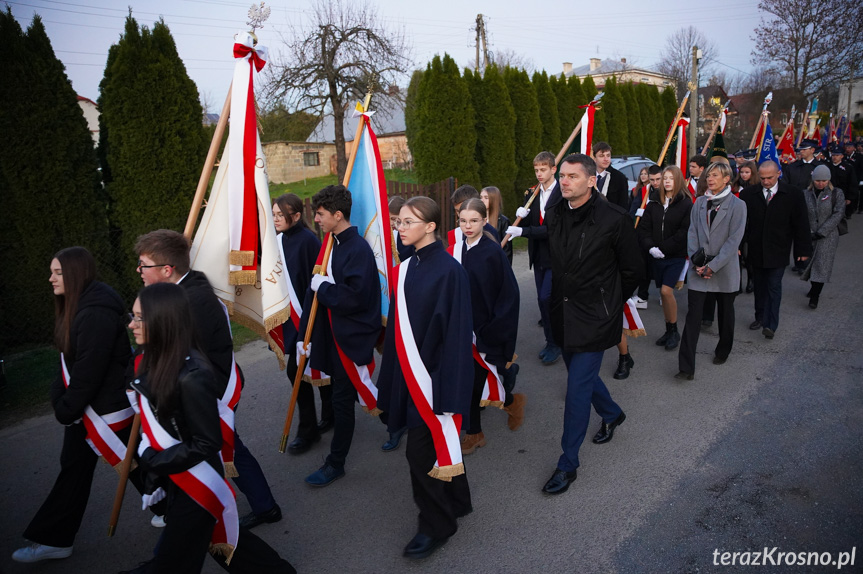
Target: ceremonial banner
[
  {"x": 587, "y": 122},
  {"x": 786, "y": 143},
  {"x": 370, "y": 211},
  {"x": 767, "y": 149},
  {"x": 680, "y": 158},
  {"x": 235, "y": 245}
]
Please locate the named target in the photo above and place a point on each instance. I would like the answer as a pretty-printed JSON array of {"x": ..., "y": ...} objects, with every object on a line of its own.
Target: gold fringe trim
[
  {"x": 316, "y": 382},
  {"x": 487, "y": 403},
  {"x": 256, "y": 327},
  {"x": 242, "y": 258},
  {"x": 119, "y": 465},
  {"x": 635, "y": 332},
  {"x": 512, "y": 362},
  {"x": 679, "y": 285},
  {"x": 229, "y": 305},
  {"x": 231, "y": 470},
  {"x": 445, "y": 473},
  {"x": 245, "y": 277},
  {"x": 223, "y": 549},
  {"x": 277, "y": 319},
  {"x": 374, "y": 412},
  {"x": 317, "y": 269}
]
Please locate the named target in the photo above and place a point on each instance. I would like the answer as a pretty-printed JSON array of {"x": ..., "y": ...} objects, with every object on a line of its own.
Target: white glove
[
  {"x": 522, "y": 212},
  {"x": 657, "y": 254},
  {"x": 639, "y": 213},
  {"x": 148, "y": 500},
  {"x": 318, "y": 280},
  {"x": 513, "y": 231},
  {"x": 307, "y": 352},
  {"x": 144, "y": 444}
]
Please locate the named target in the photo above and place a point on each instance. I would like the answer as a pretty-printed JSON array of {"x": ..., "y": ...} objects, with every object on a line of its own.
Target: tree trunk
[{"x": 339, "y": 129}]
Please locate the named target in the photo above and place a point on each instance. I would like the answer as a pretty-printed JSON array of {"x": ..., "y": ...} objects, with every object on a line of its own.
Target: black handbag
[{"x": 700, "y": 258}]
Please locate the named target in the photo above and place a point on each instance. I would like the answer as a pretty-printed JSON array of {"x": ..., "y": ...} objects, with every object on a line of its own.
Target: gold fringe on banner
[
  {"x": 679, "y": 285},
  {"x": 445, "y": 473},
  {"x": 224, "y": 549},
  {"x": 374, "y": 412},
  {"x": 487, "y": 403},
  {"x": 316, "y": 270},
  {"x": 277, "y": 319},
  {"x": 316, "y": 382},
  {"x": 245, "y": 277},
  {"x": 635, "y": 332},
  {"x": 242, "y": 258},
  {"x": 231, "y": 470}
]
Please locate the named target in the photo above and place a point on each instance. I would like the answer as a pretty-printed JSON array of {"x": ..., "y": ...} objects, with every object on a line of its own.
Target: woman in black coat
[
  {"x": 662, "y": 233},
  {"x": 89, "y": 331}
]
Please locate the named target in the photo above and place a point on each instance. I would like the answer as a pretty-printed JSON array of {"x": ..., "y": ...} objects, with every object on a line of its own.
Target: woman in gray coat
[
  {"x": 717, "y": 223},
  {"x": 826, "y": 207}
]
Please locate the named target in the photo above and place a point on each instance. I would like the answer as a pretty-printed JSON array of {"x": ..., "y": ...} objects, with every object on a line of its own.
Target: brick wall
[{"x": 285, "y": 160}]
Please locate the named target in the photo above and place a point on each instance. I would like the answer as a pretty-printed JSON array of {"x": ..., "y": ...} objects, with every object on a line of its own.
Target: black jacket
[
  {"x": 194, "y": 421},
  {"x": 212, "y": 327},
  {"x": 97, "y": 358},
  {"x": 666, "y": 229},
  {"x": 771, "y": 230},
  {"x": 799, "y": 174},
  {"x": 618, "y": 188},
  {"x": 536, "y": 233},
  {"x": 502, "y": 224},
  {"x": 596, "y": 265},
  {"x": 845, "y": 177}
]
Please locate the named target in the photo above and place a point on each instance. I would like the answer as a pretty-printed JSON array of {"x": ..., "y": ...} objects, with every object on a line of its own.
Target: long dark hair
[
  {"x": 79, "y": 270},
  {"x": 169, "y": 339},
  {"x": 427, "y": 209},
  {"x": 288, "y": 203}
]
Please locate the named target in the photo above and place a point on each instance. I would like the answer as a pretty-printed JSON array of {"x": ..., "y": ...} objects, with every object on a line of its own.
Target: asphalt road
[{"x": 763, "y": 451}]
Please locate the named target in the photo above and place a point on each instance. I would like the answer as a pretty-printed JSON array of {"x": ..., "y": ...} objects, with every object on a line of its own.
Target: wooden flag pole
[
  {"x": 301, "y": 360},
  {"x": 125, "y": 468},
  {"x": 204, "y": 181},
  {"x": 761, "y": 120},
  {"x": 715, "y": 127},
  {"x": 802, "y": 124},
  {"x": 763, "y": 135}
]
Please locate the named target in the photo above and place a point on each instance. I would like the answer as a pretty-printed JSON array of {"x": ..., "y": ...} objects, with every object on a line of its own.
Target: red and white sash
[
  {"x": 493, "y": 393},
  {"x": 444, "y": 428},
  {"x": 632, "y": 324},
  {"x": 455, "y": 236},
  {"x": 692, "y": 187},
  {"x": 310, "y": 375},
  {"x": 227, "y": 404},
  {"x": 101, "y": 428},
  {"x": 202, "y": 483}
]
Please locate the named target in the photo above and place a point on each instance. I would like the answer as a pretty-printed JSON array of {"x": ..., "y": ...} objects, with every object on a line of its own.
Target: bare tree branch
[{"x": 675, "y": 60}]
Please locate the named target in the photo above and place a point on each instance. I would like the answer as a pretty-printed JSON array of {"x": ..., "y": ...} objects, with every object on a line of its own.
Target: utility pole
[
  {"x": 693, "y": 102},
  {"x": 485, "y": 44},
  {"x": 478, "y": 30}
]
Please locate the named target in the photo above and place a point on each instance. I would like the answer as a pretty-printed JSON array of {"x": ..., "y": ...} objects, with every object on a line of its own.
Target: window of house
[{"x": 311, "y": 158}]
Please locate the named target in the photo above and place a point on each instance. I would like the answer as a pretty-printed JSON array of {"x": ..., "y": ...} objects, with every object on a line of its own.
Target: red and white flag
[{"x": 680, "y": 159}]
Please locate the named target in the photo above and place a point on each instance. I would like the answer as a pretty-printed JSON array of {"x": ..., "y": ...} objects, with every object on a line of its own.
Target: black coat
[
  {"x": 502, "y": 224},
  {"x": 845, "y": 177},
  {"x": 537, "y": 235},
  {"x": 194, "y": 421},
  {"x": 212, "y": 326},
  {"x": 771, "y": 230},
  {"x": 301, "y": 248},
  {"x": 97, "y": 358},
  {"x": 666, "y": 229},
  {"x": 618, "y": 188},
  {"x": 596, "y": 265},
  {"x": 799, "y": 174}
]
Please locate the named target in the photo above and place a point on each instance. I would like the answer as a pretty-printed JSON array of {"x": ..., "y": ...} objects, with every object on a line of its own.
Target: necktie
[
  {"x": 769, "y": 195},
  {"x": 599, "y": 180}
]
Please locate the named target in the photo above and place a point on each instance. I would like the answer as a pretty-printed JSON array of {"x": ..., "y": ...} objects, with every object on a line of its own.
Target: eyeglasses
[
  {"x": 142, "y": 266},
  {"x": 135, "y": 319},
  {"x": 283, "y": 215},
  {"x": 406, "y": 223}
]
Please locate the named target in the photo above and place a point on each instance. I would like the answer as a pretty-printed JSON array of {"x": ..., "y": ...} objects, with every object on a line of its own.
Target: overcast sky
[{"x": 81, "y": 31}]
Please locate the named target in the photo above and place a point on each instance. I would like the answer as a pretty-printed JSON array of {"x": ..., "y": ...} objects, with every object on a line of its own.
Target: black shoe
[
  {"x": 660, "y": 342},
  {"x": 750, "y": 286},
  {"x": 684, "y": 376},
  {"x": 325, "y": 475},
  {"x": 422, "y": 546},
  {"x": 559, "y": 482},
  {"x": 394, "y": 440},
  {"x": 624, "y": 363},
  {"x": 813, "y": 302},
  {"x": 673, "y": 339},
  {"x": 251, "y": 519},
  {"x": 755, "y": 325},
  {"x": 301, "y": 444},
  {"x": 552, "y": 355},
  {"x": 768, "y": 333},
  {"x": 606, "y": 430},
  {"x": 717, "y": 360},
  {"x": 325, "y": 424}
]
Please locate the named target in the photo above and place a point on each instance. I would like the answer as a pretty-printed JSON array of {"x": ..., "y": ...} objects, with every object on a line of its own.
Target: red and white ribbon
[
  {"x": 493, "y": 393},
  {"x": 680, "y": 159},
  {"x": 632, "y": 324},
  {"x": 455, "y": 238},
  {"x": 101, "y": 428},
  {"x": 444, "y": 428},
  {"x": 202, "y": 483}
]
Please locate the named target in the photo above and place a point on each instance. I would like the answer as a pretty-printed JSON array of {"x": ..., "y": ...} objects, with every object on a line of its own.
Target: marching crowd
[{"x": 448, "y": 349}]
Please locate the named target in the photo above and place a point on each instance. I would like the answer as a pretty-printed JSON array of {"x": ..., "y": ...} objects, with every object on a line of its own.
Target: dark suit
[
  {"x": 617, "y": 191},
  {"x": 540, "y": 257},
  {"x": 771, "y": 229}
]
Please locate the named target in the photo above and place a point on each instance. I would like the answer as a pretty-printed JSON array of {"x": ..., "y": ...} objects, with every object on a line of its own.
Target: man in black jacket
[
  {"x": 799, "y": 172},
  {"x": 611, "y": 183},
  {"x": 776, "y": 217},
  {"x": 596, "y": 264},
  {"x": 163, "y": 257},
  {"x": 844, "y": 175}
]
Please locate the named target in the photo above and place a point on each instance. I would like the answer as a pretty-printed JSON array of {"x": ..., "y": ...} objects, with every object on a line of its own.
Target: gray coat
[
  {"x": 825, "y": 212},
  {"x": 722, "y": 240}
]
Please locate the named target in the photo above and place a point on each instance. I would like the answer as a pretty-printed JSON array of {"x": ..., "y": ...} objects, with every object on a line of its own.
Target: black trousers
[
  {"x": 479, "y": 375},
  {"x": 254, "y": 556},
  {"x": 58, "y": 519},
  {"x": 344, "y": 397},
  {"x": 440, "y": 503},
  {"x": 308, "y": 421},
  {"x": 692, "y": 329},
  {"x": 185, "y": 542}
]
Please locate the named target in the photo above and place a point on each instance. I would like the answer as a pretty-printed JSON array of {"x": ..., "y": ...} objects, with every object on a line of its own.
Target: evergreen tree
[
  {"x": 577, "y": 98},
  {"x": 277, "y": 123},
  {"x": 153, "y": 144},
  {"x": 600, "y": 130},
  {"x": 565, "y": 106},
  {"x": 635, "y": 119},
  {"x": 495, "y": 133},
  {"x": 548, "y": 113},
  {"x": 616, "y": 117},
  {"x": 528, "y": 129},
  {"x": 669, "y": 110},
  {"x": 49, "y": 179},
  {"x": 446, "y": 123},
  {"x": 648, "y": 123},
  {"x": 411, "y": 107},
  {"x": 661, "y": 122}
]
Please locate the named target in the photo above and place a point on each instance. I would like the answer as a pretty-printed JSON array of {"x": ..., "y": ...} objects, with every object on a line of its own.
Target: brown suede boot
[
  {"x": 516, "y": 411},
  {"x": 471, "y": 442}
]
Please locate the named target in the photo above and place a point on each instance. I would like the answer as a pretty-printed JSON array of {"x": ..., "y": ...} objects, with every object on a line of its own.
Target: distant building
[
  {"x": 600, "y": 70},
  {"x": 91, "y": 114},
  {"x": 851, "y": 97}
]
